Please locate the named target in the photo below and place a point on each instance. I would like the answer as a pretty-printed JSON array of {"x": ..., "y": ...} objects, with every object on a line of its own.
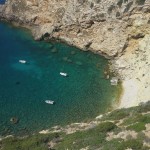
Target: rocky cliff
[
  {"x": 100, "y": 25},
  {"x": 118, "y": 29}
]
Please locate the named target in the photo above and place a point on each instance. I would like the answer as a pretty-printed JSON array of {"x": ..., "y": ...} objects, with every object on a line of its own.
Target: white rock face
[
  {"x": 136, "y": 73},
  {"x": 104, "y": 22}
]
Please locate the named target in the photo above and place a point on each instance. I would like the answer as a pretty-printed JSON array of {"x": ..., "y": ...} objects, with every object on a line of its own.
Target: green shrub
[
  {"x": 138, "y": 118},
  {"x": 118, "y": 144},
  {"x": 81, "y": 139},
  {"x": 93, "y": 137},
  {"x": 145, "y": 118},
  {"x": 117, "y": 114},
  {"x": 34, "y": 142},
  {"x": 114, "y": 144},
  {"x": 144, "y": 107},
  {"x": 142, "y": 137},
  {"x": 133, "y": 144},
  {"x": 132, "y": 119},
  {"x": 105, "y": 127},
  {"x": 137, "y": 127}
]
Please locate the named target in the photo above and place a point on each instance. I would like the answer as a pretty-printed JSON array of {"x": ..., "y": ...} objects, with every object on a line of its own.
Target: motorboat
[
  {"x": 22, "y": 61},
  {"x": 63, "y": 74},
  {"x": 49, "y": 102}
]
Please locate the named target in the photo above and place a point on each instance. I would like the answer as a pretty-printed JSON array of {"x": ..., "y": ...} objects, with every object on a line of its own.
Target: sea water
[
  {"x": 83, "y": 94},
  {"x": 2, "y": 2}
]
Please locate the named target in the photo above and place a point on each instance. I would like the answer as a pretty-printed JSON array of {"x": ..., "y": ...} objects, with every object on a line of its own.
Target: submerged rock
[
  {"x": 65, "y": 58},
  {"x": 14, "y": 120},
  {"x": 69, "y": 60},
  {"x": 73, "y": 52},
  {"x": 17, "y": 83},
  {"x": 54, "y": 50},
  {"x": 79, "y": 63}
]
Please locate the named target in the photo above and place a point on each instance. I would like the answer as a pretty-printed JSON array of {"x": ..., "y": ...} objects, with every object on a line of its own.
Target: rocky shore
[{"x": 119, "y": 30}]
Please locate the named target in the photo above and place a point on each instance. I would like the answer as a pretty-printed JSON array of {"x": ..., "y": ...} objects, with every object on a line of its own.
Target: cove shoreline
[
  {"x": 69, "y": 130},
  {"x": 108, "y": 81},
  {"x": 30, "y": 29},
  {"x": 119, "y": 34}
]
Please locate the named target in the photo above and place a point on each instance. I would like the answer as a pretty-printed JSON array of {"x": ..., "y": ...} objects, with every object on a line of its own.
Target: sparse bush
[
  {"x": 138, "y": 118},
  {"x": 144, "y": 107},
  {"x": 114, "y": 144},
  {"x": 106, "y": 127},
  {"x": 33, "y": 142},
  {"x": 137, "y": 127},
  {"x": 93, "y": 137},
  {"x": 118, "y": 144},
  {"x": 81, "y": 139},
  {"x": 117, "y": 114},
  {"x": 133, "y": 144}
]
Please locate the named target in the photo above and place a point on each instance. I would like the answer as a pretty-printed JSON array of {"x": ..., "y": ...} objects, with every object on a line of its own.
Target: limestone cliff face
[{"x": 99, "y": 25}]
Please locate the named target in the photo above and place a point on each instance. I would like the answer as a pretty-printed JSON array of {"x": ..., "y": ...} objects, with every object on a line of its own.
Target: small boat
[
  {"x": 63, "y": 74},
  {"x": 49, "y": 102},
  {"x": 22, "y": 61}
]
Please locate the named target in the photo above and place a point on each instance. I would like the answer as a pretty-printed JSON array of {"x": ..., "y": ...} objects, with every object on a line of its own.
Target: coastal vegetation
[{"x": 119, "y": 129}]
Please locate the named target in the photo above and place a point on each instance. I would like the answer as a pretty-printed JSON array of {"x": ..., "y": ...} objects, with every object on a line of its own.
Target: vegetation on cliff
[{"x": 119, "y": 129}]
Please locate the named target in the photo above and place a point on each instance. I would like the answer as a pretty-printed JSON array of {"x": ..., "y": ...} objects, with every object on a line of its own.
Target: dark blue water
[
  {"x": 24, "y": 87},
  {"x": 2, "y": 2}
]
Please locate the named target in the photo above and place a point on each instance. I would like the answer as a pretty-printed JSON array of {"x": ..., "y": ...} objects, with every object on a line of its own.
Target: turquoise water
[{"x": 24, "y": 87}]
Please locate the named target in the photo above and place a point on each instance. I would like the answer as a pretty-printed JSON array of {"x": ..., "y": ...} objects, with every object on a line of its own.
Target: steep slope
[
  {"x": 100, "y": 25},
  {"x": 121, "y": 129}
]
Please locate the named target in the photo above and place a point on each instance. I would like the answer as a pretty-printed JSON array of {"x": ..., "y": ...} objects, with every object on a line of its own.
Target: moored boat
[
  {"x": 22, "y": 61},
  {"x": 63, "y": 74},
  {"x": 49, "y": 102}
]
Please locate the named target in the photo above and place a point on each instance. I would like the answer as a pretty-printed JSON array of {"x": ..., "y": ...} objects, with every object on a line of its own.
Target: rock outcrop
[
  {"x": 117, "y": 29},
  {"x": 104, "y": 24}
]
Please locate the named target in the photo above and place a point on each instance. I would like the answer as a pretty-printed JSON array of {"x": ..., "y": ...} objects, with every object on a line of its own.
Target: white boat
[
  {"x": 22, "y": 61},
  {"x": 49, "y": 102},
  {"x": 63, "y": 74}
]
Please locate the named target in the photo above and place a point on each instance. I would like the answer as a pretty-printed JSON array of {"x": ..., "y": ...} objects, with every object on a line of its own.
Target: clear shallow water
[{"x": 25, "y": 87}]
